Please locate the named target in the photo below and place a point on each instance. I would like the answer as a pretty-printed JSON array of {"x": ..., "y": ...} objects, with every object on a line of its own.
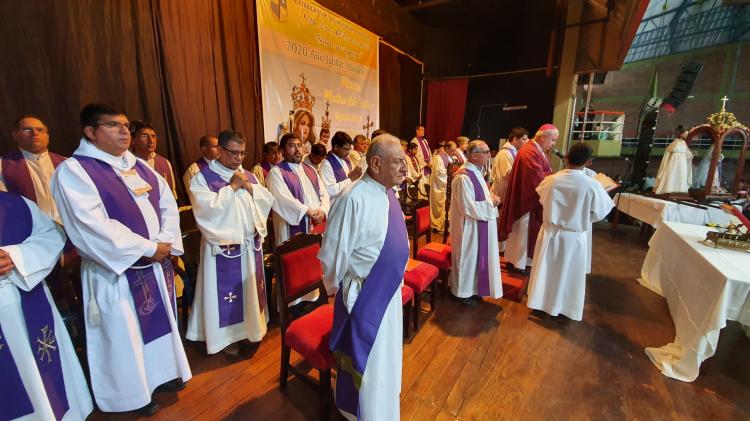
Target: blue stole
[
  {"x": 16, "y": 225},
  {"x": 338, "y": 171},
  {"x": 295, "y": 187},
  {"x": 120, "y": 205},
  {"x": 354, "y": 333},
  {"x": 229, "y": 266}
]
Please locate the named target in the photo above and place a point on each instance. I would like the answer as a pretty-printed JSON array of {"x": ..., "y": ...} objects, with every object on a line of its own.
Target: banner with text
[{"x": 317, "y": 70}]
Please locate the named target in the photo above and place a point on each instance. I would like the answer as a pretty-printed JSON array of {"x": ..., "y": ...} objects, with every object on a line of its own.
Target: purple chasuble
[
  {"x": 354, "y": 333},
  {"x": 17, "y": 176},
  {"x": 483, "y": 256},
  {"x": 229, "y": 290},
  {"x": 295, "y": 187},
  {"x": 120, "y": 205},
  {"x": 16, "y": 225},
  {"x": 338, "y": 171}
]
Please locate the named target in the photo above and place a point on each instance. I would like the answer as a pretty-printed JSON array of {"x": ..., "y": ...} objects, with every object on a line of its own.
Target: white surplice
[
  {"x": 41, "y": 169},
  {"x": 517, "y": 244},
  {"x": 676, "y": 169},
  {"x": 359, "y": 219},
  {"x": 34, "y": 260},
  {"x": 501, "y": 169},
  {"x": 227, "y": 217},
  {"x": 572, "y": 201},
  {"x": 438, "y": 190},
  {"x": 464, "y": 214},
  {"x": 124, "y": 371},
  {"x": 287, "y": 209},
  {"x": 334, "y": 187}
]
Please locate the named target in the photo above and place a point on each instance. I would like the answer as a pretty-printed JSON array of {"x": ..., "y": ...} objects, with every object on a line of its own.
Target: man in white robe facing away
[
  {"x": 231, "y": 209},
  {"x": 42, "y": 378},
  {"x": 439, "y": 183},
  {"x": 209, "y": 151},
  {"x": 572, "y": 201},
  {"x": 337, "y": 169},
  {"x": 365, "y": 261},
  {"x": 473, "y": 221},
  {"x": 122, "y": 217},
  {"x": 301, "y": 197},
  {"x": 676, "y": 169}
]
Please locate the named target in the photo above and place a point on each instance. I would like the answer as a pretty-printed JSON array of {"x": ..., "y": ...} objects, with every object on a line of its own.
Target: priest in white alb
[
  {"x": 209, "y": 146},
  {"x": 676, "y": 169},
  {"x": 365, "y": 261},
  {"x": 473, "y": 221},
  {"x": 41, "y": 376},
  {"x": 337, "y": 170},
  {"x": 122, "y": 217},
  {"x": 572, "y": 201},
  {"x": 441, "y": 162},
  {"x": 231, "y": 209},
  {"x": 302, "y": 200}
]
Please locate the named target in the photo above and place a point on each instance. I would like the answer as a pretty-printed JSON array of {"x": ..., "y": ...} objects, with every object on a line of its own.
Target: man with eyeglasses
[
  {"x": 473, "y": 220},
  {"x": 521, "y": 215},
  {"x": 144, "y": 147},
  {"x": 337, "y": 170},
  {"x": 122, "y": 217},
  {"x": 231, "y": 209},
  {"x": 209, "y": 151},
  {"x": 28, "y": 169}
]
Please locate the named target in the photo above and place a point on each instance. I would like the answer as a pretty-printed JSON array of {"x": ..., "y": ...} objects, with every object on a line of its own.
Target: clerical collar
[
  {"x": 124, "y": 161},
  {"x": 30, "y": 156}
]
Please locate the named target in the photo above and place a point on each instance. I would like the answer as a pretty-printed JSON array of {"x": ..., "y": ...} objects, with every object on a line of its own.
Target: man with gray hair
[
  {"x": 365, "y": 261},
  {"x": 521, "y": 216},
  {"x": 473, "y": 219},
  {"x": 231, "y": 209}
]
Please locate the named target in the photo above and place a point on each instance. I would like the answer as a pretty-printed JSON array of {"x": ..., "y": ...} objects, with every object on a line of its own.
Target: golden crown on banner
[
  {"x": 325, "y": 122},
  {"x": 301, "y": 97}
]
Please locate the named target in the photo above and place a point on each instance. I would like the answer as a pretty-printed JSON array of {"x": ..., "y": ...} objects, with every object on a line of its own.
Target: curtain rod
[
  {"x": 398, "y": 50},
  {"x": 512, "y": 72}
]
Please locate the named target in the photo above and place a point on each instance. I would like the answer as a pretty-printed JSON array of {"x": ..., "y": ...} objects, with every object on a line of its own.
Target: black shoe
[
  {"x": 468, "y": 302},
  {"x": 171, "y": 386},
  {"x": 539, "y": 314},
  {"x": 247, "y": 348},
  {"x": 232, "y": 350},
  {"x": 149, "y": 410}
]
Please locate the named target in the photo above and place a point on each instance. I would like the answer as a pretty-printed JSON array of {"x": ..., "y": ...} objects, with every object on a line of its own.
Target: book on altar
[{"x": 606, "y": 182}]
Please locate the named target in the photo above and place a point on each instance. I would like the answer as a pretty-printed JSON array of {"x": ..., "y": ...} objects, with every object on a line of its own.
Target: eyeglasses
[
  {"x": 32, "y": 130},
  {"x": 235, "y": 154},
  {"x": 115, "y": 125}
]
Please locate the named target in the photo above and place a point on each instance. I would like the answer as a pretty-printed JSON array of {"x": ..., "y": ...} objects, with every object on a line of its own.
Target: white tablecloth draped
[
  {"x": 654, "y": 211},
  {"x": 703, "y": 286}
]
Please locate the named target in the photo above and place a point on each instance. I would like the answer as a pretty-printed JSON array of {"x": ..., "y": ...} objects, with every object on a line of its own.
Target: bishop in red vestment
[{"x": 521, "y": 216}]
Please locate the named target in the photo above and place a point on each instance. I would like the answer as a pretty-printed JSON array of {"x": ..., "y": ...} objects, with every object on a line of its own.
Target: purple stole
[
  {"x": 459, "y": 158},
  {"x": 229, "y": 266},
  {"x": 513, "y": 152},
  {"x": 483, "y": 267},
  {"x": 295, "y": 187},
  {"x": 446, "y": 159},
  {"x": 120, "y": 205},
  {"x": 338, "y": 170},
  {"x": 161, "y": 165},
  {"x": 354, "y": 333},
  {"x": 16, "y": 224},
  {"x": 266, "y": 168},
  {"x": 17, "y": 176},
  {"x": 425, "y": 147},
  {"x": 201, "y": 163}
]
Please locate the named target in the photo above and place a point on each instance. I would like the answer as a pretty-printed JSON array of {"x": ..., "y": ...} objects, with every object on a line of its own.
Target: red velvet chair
[
  {"x": 436, "y": 254},
  {"x": 299, "y": 272},
  {"x": 420, "y": 276},
  {"x": 407, "y": 301}
]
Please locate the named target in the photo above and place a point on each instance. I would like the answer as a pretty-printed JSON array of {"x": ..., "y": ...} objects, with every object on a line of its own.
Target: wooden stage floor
[{"x": 499, "y": 362}]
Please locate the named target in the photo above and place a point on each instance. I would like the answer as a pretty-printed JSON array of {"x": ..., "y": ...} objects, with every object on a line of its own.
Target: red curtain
[{"x": 446, "y": 103}]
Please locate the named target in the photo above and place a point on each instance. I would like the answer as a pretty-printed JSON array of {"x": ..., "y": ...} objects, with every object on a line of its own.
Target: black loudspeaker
[
  {"x": 684, "y": 83},
  {"x": 583, "y": 78}
]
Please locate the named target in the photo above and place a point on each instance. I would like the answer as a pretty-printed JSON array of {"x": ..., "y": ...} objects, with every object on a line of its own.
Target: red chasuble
[{"x": 529, "y": 169}]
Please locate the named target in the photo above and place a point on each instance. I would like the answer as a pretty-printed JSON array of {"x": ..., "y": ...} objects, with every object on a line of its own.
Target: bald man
[{"x": 365, "y": 262}]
